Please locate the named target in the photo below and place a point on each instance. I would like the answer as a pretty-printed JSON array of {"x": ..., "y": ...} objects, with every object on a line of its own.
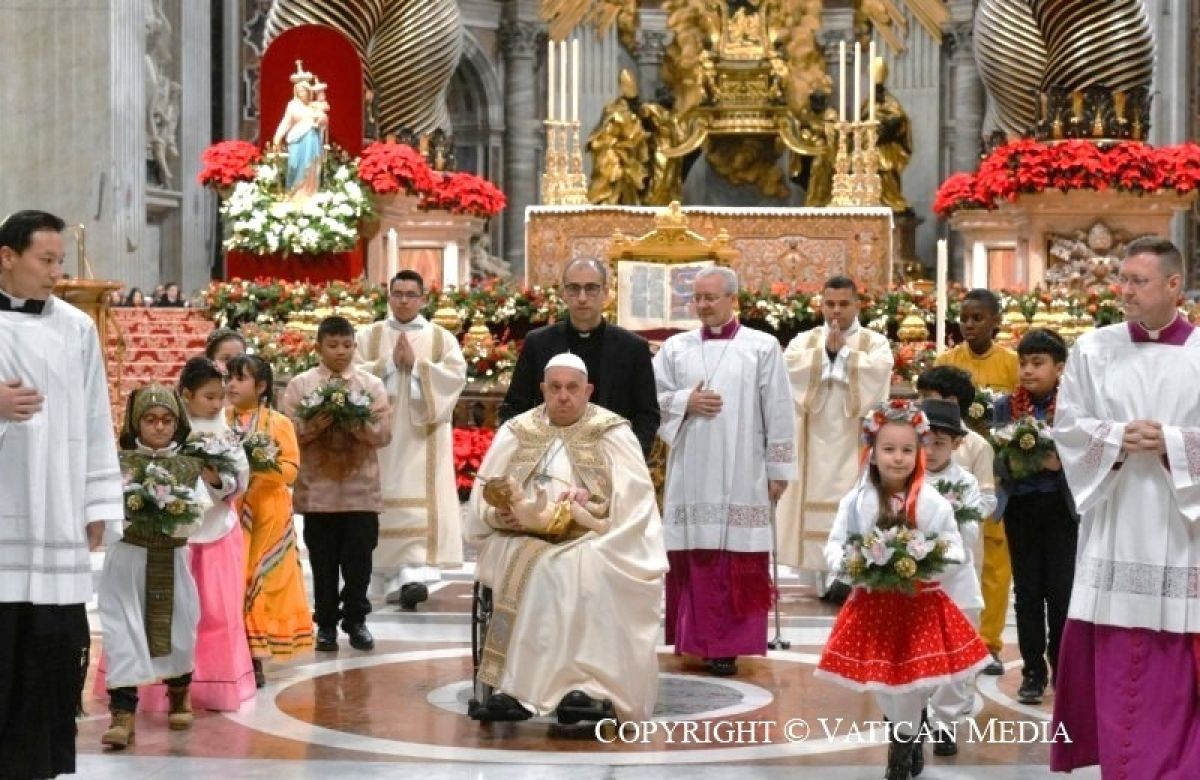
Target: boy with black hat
[{"x": 951, "y": 702}]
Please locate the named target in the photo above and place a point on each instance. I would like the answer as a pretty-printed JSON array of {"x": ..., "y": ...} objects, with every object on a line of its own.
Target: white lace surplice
[{"x": 1138, "y": 561}]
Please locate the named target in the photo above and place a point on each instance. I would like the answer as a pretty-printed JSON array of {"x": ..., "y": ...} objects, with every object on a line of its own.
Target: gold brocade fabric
[{"x": 581, "y": 442}]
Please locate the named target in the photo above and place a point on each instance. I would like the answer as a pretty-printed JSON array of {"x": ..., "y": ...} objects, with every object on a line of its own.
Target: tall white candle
[
  {"x": 562, "y": 81},
  {"x": 857, "y": 82},
  {"x": 575, "y": 79},
  {"x": 550, "y": 87},
  {"x": 392, "y": 256},
  {"x": 943, "y": 263},
  {"x": 450, "y": 265},
  {"x": 842, "y": 81},
  {"x": 871, "y": 81}
]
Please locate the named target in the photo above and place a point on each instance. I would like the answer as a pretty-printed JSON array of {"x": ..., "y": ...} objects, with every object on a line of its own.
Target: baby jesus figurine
[{"x": 538, "y": 515}]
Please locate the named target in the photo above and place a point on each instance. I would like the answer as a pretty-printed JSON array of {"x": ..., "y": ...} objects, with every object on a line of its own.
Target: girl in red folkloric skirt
[{"x": 898, "y": 646}]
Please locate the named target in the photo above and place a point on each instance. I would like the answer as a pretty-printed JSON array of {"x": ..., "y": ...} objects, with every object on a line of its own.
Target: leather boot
[
  {"x": 900, "y": 755},
  {"x": 179, "y": 716},
  {"x": 120, "y": 731}
]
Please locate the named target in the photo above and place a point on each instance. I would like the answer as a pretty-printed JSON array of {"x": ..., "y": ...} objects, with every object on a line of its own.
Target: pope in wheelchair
[{"x": 571, "y": 563}]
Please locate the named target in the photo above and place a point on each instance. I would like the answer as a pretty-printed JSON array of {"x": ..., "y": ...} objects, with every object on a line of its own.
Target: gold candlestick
[
  {"x": 842, "y": 193},
  {"x": 574, "y": 190}
]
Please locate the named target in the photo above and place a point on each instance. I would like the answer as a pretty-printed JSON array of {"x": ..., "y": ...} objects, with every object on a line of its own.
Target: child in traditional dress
[
  {"x": 1039, "y": 517},
  {"x": 148, "y": 605},
  {"x": 339, "y": 491},
  {"x": 224, "y": 344},
  {"x": 993, "y": 366},
  {"x": 897, "y": 645},
  {"x": 951, "y": 703},
  {"x": 278, "y": 621},
  {"x": 223, "y": 677}
]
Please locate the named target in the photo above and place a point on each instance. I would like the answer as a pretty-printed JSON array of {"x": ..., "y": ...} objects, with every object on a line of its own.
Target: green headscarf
[{"x": 141, "y": 401}]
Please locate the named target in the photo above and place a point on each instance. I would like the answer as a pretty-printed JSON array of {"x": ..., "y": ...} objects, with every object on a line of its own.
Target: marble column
[
  {"x": 523, "y": 133},
  {"x": 600, "y": 65},
  {"x": 968, "y": 105},
  {"x": 198, "y": 204},
  {"x": 126, "y": 190},
  {"x": 652, "y": 47}
]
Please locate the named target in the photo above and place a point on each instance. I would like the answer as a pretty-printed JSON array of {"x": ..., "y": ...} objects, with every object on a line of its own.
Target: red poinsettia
[
  {"x": 470, "y": 445},
  {"x": 1030, "y": 166},
  {"x": 465, "y": 193},
  {"x": 228, "y": 162},
  {"x": 388, "y": 167}
]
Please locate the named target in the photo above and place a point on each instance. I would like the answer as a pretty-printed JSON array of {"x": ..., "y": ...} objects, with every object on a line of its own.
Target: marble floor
[{"x": 400, "y": 711}]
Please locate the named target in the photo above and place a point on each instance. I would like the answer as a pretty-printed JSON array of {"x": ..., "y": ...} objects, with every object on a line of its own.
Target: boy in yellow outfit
[{"x": 993, "y": 366}]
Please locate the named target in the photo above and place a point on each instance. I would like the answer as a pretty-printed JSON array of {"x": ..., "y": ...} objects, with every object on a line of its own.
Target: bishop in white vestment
[
  {"x": 1127, "y": 429},
  {"x": 576, "y": 611},
  {"x": 422, "y": 367},
  {"x": 727, "y": 417},
  {"x": 837, "y": 371},
  {"x": 60, "y": 481}
]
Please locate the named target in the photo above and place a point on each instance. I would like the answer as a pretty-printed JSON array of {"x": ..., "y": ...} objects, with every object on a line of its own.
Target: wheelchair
[{"x": 569, "y": 714}]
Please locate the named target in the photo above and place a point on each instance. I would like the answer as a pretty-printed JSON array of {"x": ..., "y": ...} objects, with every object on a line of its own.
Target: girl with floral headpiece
[
  {"x": 898, "y": 635},
  {"x": 148, "y": 604},
  {"x": 223, "y": 677}
]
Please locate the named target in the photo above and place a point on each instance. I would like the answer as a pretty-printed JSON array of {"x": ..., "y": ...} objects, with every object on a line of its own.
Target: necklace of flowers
[
  {"x": 251, "y": 427},
  {"x": 1022, "y": 405}
]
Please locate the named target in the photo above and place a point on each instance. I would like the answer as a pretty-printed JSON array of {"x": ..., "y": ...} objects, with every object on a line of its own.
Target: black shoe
[
  {"x": 918, "y": 750},
  {"x": 360, "y": 637},
  {"x": 260, "y": 678},
  {"x": 1032, "y": 690},
  {"x": 837, "y": 594},
  {"x": 996, "y": 667},
  {"x": 412, "y": 594},
  {"x": 944, "y": 744},
  {"x": 900, "y": 757},
  {"x": 578, "y": 707},
  {"x": 723, "y": 667},
  {"x": 502, "y": 707},
  {"x": 327, "y": 638}
]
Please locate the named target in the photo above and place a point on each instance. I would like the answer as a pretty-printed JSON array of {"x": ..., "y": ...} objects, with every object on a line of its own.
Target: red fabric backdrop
[{"x": 329, "y": 56}]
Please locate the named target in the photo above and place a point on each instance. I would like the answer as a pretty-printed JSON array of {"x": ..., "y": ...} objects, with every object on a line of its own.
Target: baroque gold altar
[{"x": 798, "y": 246}]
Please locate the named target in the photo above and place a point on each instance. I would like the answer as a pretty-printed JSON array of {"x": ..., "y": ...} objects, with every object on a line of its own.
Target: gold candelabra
[
  {"x": 856, "y": 166},
  {"x": 563, "y": 180}
]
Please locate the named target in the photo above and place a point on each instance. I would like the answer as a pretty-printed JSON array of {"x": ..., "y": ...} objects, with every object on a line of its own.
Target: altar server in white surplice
[
  {"x": 422, "y": 367},
  {"x": 59, "y": 482},
  {"x": 1127, "y": 430},
  {"x": 838, "y": 371},
  {"x": 727, "y": 417},
  {"x": 576, "y": 578}
]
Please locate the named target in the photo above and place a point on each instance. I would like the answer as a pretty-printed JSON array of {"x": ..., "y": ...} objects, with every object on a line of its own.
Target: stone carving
[
  {"x": 162, "y": 97},
  {"x": 1085, "y": 260},
  {"x": 484, "y": 264}
]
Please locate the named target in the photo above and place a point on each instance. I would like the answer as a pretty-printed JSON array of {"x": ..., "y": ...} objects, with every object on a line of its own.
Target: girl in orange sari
[{"x": 278, "y": 619}]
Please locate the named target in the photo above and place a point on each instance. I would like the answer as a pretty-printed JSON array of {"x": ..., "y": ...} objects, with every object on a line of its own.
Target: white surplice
[
  {"x": 718, "y": 467},
  {"x": 420, "y": 529},
  {"x": 58, "y": 469},
  {"x": 1138, "y": 563},
  {"x": 589, "y": 612},
  {"x": 831, "y": 397}
]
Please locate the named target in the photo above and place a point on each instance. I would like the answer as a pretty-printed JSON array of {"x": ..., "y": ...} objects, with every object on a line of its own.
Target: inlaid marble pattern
[{"x": 401, "y": 710}]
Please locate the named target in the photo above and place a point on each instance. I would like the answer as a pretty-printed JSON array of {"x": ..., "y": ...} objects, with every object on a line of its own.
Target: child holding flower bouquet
[
  {"x": 223, "y": 677},
  {"x": 148, "y": 605},
  {"x": 342, "y": 419},
  {"x": 899, "y": 635},
  {"x": 278, "y": 621},
  {"x": 1039, "y": 512},
  {"x": 951, "y": 703}
]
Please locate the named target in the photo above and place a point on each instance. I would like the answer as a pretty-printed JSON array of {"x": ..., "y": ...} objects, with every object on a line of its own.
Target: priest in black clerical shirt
[{"x": 618, "y": 361}]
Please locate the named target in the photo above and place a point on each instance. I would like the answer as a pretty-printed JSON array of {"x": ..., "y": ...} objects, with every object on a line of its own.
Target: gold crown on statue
[
  {"x": 301, "y": 75},
  {"x": 879, "y": 70}
]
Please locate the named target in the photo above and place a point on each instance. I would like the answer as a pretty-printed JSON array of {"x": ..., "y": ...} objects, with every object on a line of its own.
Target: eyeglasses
[
  {"x": 407, "y": 296},
  {"x": 591, "y": 289}
]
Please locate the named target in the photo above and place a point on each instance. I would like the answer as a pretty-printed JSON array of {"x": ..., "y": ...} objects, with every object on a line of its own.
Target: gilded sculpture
[
  {"x": 894, "y": 145},
  {"x": 620, "y": 150},
  {"x": 813, "y": 166}
]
